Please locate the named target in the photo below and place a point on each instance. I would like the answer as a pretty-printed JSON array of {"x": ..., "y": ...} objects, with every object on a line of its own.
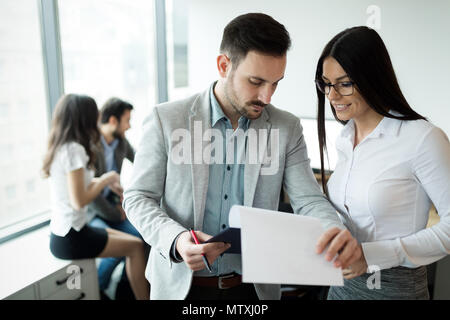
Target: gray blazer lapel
[
  {"x": 199, "y": 123},
  {"x": 252, "y": 169},
  {"x": 119, "y": 154},
  {"x": 100, "y": 161}
]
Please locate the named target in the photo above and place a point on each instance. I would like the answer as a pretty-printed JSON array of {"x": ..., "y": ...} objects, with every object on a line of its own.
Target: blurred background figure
[
  {"x": 106, "y": 209},
  {"x": 69, "y": 164}
]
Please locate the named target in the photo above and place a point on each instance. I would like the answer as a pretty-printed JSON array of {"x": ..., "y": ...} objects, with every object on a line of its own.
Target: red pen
[{"x": 193, "y": 235}]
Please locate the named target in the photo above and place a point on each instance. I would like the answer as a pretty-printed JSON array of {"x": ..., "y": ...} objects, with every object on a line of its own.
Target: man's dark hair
[
  {"x": 114, "y": 107},
  {"x": 254, "y": 32}
]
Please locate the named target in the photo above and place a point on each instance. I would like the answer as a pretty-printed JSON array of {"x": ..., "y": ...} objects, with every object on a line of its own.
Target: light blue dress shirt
[{"x": 226, "y": 185}]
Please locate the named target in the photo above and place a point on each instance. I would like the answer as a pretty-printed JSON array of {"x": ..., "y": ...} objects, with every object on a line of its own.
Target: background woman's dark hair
[
  {"x": 254, "y": 31},
  {"x": 362, "y": 54},
  {"x": 74, "y": 120},
  {"x": 114, "y": 107}
]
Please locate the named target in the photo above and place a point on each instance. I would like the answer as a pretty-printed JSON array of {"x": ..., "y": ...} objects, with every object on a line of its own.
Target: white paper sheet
[
  {"x": 125, "y": 173},
  {"x": 279, "y": 247}
]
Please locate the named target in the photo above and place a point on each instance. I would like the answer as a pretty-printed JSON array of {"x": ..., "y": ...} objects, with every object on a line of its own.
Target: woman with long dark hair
[
  {"x": 392, "y": 164},
  {"x": 69, "y": 165}
]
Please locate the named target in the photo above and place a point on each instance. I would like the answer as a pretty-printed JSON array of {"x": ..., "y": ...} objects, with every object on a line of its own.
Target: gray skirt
[{"x": 398, "y": 283}]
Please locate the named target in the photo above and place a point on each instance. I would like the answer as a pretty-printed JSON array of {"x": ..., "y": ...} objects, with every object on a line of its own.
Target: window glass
[
  {"x": 23, "y": 113},
  {"x": 333, "y": 129},
  {"x": 108, "y": 51},
  {"x": 177, "y": 48}
]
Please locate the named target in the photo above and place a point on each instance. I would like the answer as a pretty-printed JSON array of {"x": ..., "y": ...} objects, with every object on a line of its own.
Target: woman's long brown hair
[{"x": 74, "y": 120}]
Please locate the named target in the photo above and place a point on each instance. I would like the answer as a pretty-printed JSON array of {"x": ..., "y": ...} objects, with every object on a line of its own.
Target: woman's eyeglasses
[{"x": 344, "y": 88}]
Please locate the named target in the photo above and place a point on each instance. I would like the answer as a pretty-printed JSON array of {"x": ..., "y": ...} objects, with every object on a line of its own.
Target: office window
[
  {"x": 108, "y": 50},
  {"x": 4, "y": 108},
  {"x": 177, "y": 48},
  {"x": 23, "y": 112},
  {"x": 333, "y": 128},
  {"x": 11, "y": 191},
  {"x": 31, "y": 186}
]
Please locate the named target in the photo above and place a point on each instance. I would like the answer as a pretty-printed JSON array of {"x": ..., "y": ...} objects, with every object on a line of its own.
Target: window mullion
[
  {"x": 51, "y": 47},
  {"x": 161, "y": 50}
]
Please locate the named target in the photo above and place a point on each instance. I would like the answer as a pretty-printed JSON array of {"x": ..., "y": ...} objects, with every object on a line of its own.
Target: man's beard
[
  {"x": 117, "y": 134},
  {"x": 230, "y": 95}
]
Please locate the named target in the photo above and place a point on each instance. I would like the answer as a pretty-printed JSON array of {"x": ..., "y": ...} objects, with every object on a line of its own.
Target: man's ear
[
  {"x": 113, "y": 121},
  {"x": 223, "y": 65}
]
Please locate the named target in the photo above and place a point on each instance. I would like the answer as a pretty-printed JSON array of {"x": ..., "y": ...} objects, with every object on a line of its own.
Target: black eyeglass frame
[{"x": 329, "y": 85}]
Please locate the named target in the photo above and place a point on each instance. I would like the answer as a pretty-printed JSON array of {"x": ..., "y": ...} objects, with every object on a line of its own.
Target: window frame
[{"x": 54, "y": 86}]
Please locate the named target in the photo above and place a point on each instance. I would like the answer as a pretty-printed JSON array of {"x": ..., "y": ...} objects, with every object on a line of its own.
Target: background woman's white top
[
  {"x": 71, "y": 156},
  {"x": 383, "y": 191}
]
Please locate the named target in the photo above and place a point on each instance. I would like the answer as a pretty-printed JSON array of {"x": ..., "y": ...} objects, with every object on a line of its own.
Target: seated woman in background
[
  {"x": 69, "y": 165},
  {"x": 392, "y": 164}
]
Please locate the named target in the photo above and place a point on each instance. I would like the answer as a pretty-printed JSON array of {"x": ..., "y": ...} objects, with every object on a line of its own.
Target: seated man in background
[{"x": 110, "y": 152}]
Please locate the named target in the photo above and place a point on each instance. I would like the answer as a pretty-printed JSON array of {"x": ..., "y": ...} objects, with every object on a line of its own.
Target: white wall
[{"x": 416, "y": 33}]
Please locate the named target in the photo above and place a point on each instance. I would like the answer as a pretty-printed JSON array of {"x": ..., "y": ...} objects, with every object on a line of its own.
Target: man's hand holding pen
[{"x": 193, "y": 253}]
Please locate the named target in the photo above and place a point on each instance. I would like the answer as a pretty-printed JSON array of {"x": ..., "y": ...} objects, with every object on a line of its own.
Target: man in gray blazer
[{"x": 188, "y": 170}]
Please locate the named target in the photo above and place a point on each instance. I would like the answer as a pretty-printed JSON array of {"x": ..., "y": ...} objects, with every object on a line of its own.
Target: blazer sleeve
[
  {"x": 142, "y": 198},
  {"x": 301, "y": 186}
]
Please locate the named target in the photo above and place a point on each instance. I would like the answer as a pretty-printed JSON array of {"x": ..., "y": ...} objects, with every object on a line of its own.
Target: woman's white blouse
[
  {"x": 70, "y": 156},
  {"x": 384, "y": 187}
]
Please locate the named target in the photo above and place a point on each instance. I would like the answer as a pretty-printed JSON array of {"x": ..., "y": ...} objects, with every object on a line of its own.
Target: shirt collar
[
  {"x": 391, "y": 126},
  {"x": 113, "y": 144},
  {"x": 349, "y": 130},
  {"x": 387, "y": 126},
  {"x": 217, "y": 112}
]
